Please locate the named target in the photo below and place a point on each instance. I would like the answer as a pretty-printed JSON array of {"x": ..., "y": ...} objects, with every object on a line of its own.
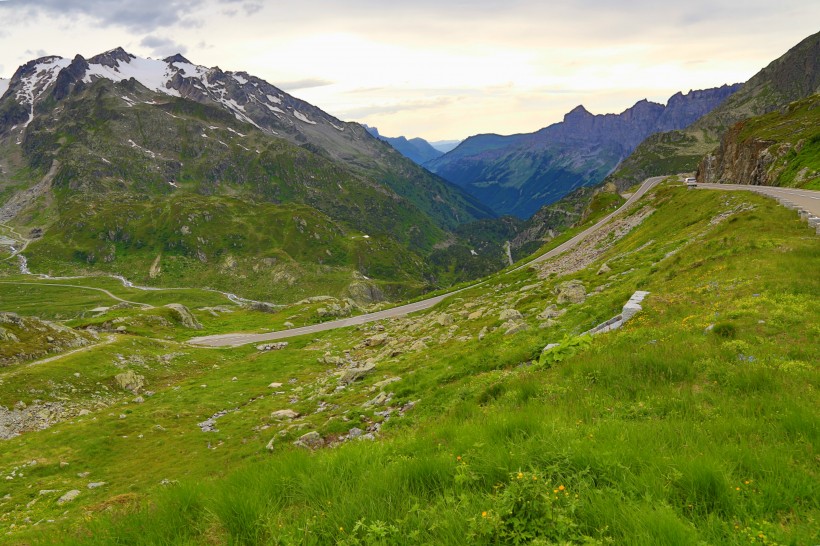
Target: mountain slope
[
  {"x": 131, "y": 166},
  {"x": 518, "y": 174},
  {"x": 250, "y": 100},
  {"x": 781, "y": 148},
  {"x": 791, "y": 77},
  {"x": 416, "y": 149}
]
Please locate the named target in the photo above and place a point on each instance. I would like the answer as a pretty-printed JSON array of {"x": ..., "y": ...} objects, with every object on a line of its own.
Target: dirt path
[{"x": 103, "y": 290}]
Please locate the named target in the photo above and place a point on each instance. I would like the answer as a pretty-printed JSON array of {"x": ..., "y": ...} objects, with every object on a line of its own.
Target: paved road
[
  {"x": 807, "y": 200},
  {"x": 235, "y": 340}
]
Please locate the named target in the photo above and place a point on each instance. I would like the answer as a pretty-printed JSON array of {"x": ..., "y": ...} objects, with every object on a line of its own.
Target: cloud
[
  {"x": 385, "y": 109},
  {"x": 307, "y": 83},
  {"x": 142, "y": 16},
  {"x": 162, "y": 47}
]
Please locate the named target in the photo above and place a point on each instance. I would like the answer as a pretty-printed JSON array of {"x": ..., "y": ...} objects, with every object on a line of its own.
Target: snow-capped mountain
[{"x": 248, "y": 98}]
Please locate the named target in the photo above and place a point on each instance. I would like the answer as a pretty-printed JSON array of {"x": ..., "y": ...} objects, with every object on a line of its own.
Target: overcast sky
[{"x": 437, "y": 69}]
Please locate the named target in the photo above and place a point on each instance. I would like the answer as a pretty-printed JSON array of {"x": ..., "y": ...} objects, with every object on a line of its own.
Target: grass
[{"x": 664, "y": 432}]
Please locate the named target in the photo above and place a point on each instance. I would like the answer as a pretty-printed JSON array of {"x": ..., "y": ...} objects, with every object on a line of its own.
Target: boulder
[
  {"x": 377, "y": 340},
  {"x": 272, "y": 346},
  {"x": 68, "y": 497},
  {"x": 444, "y": 319},
  {"x": 284, "y": 415},
  {"x": 184, "y": 316},
  {"x": 604, "y": 269},
  {"x": 510, "y": 314},
  {"x": 475, "y": 315},
  {"x": 551, "y": 312},
  {"x": 571, "y": 292},
  {"x": 311, "y": 440},
  {"x": 350, "y": 375},
  {"x": 130, "y": 381},
  {"x": 419, "y": 345},
  {"x": 365, "y": 293},
  {"x": 515, "y": 328}
]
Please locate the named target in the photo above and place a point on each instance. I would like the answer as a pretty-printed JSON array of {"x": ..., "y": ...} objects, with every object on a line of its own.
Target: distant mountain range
[
  {"x": 792, "y": 77},
  {"x": 416, "y": 149},
  {"x": 518, "y": 174}
]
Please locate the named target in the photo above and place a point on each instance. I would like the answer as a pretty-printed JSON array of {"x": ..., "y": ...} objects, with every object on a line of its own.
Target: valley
[{"x": 229, "y": 317}]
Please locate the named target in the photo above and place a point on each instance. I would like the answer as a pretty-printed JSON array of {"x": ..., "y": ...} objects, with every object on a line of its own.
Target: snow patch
[
  {"x": 336, "y": 126},
  {"x": 138, "y": 147},
  {"x": 301, "y": 117},
  {"x": 237, "y": 133},
  {"x": 274, "y": 100},
  {"x": 153, "y": 74},
  {"x": 242, "y": 80}
]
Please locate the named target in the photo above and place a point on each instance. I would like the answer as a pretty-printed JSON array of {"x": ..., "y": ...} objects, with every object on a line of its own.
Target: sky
[{"x": 438, "y": 69}]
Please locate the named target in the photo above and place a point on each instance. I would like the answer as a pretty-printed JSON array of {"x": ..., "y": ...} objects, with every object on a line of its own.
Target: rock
[
  {"x": 288, "y": 325},
  {"x": 139, "y": 400},
  {"x": 262, "y": 307},
  {"x": 551, "y": 312},
  {"x": 419, "y": 345},
  {"x": 121, "y": 329},
  {"x": 184, "y": 316},
  {"x": 571, "y": 292},
  {"x": 68, "y": 497},
  {"x": 377, "y": 340},
  {"x": 382, "y": 384},
  {"x": 84, "y": 412},
  {"x": 274, "y": 385},
  {"x": 311, "y": 440},
  {"x": 510, "y": 314},
  {"x": 381, "y": 399},
  {"x": 547, "y": 324},
  {"x": 95, "y": 485},
  {"x": 331, "y": 360},
  {"x": 272, "y": 346},
  {"x": 83, "y": 474},
  {"x": 604, "y": 269},
  {"x": 516, "y": 328},
  {"x": 482, "y": 334},
  {"x": 365, "y": 293},
  {"x": 350, "y": 375},
  {"x": 475, "y": 315},
  {"x": 284, "y": 415},
  {"x": 130, "y": 381},
  {"x": 63, "y": 464},
  {"x": 444, "y": 320},
  {"x": 354, "y": 433},
  {"x": 271, "y": 444}
]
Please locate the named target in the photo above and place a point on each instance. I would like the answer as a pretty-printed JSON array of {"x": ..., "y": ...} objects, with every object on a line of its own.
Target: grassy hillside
[
  {"x": 779, "y": 149},
  {"x": 171, "y": 192},
  {"x": 696, "y": 422}
]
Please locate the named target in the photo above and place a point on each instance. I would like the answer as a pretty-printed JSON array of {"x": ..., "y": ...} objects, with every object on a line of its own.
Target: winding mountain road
[
  {"x": 808, "y": 200},
  {"x": 235, "y": 340}
]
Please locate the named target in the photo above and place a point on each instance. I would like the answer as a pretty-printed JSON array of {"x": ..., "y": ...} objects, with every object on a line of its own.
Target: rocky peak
[
  {"x": 178, "y": 58},
  {"x": 113, "y": 58},
  {"x": 577, "y": 113}
]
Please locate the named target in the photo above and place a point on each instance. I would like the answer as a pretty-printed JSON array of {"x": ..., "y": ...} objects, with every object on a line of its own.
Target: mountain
[
  {"x": 791, "y": 77},
  {"x": 417, "y": 149},
  {"x": 170, "y": 173},
  {"x": 520, "y": 173},
  {"x": 445, "y": 146},
  {"x": 781, "y": 148}
]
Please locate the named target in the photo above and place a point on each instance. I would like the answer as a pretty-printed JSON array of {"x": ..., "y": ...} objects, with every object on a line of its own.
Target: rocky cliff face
[
  {"x": 778, "y": 149},
  {"x": 520, "y": 173}
]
